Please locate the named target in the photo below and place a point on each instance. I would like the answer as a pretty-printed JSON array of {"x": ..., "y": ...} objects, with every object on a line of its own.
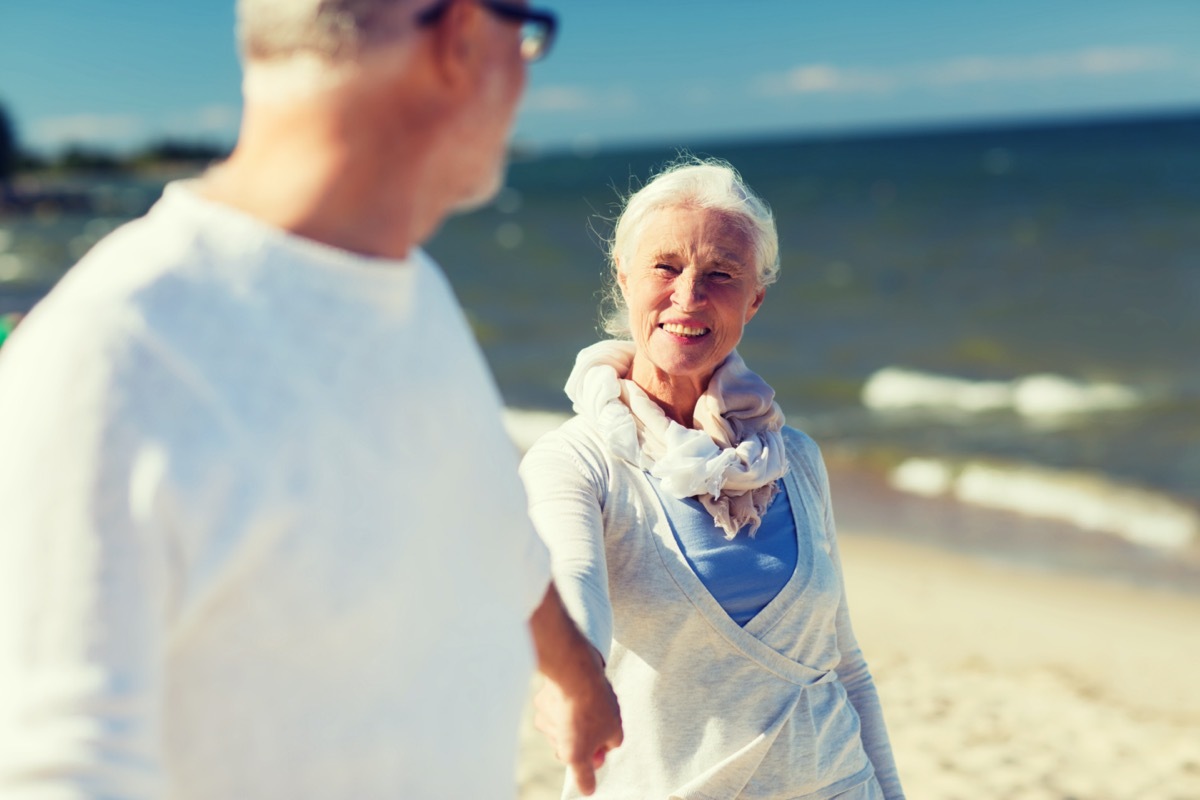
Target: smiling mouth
[{"x": 683, "y": 330}]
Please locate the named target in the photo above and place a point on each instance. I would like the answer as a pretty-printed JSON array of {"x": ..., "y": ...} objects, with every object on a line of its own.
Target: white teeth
[{"x": 683, "y": 330}]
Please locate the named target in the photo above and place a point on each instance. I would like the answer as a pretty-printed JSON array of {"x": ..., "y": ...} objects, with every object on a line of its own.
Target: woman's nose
[{"x": 689, "y": 291}]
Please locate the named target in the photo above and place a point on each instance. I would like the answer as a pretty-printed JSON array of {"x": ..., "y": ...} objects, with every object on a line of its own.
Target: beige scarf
[{"x": 730, "y": 460}]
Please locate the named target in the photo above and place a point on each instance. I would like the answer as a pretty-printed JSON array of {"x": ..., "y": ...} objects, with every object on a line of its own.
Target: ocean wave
[
  {"x": 1087, "y": 501},
  {"x": 1035, "y": 396}
]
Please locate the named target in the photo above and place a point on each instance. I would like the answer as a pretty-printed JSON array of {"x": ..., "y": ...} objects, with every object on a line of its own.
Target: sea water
[{"x": 1008, "y": 316}]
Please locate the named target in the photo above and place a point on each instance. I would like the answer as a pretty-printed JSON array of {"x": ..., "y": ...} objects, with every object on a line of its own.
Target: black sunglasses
[{"x": 537, "y": 27}]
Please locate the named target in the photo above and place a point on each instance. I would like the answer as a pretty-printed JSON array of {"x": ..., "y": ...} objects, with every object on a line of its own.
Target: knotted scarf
[{"x": 730, "y": 461}]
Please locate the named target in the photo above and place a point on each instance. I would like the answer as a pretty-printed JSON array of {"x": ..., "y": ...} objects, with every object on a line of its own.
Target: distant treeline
[
  {"x": 9, "y": 156},
  {"x": 84, "y": 158}
]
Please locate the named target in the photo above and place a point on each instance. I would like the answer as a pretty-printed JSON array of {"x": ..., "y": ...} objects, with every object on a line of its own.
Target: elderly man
[{"x": 262, "y": 534}]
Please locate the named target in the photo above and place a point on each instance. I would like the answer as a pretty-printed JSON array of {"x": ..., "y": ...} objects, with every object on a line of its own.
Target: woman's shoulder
[
  {"x": 801, "y": 444},
  {"x": 575, "y": 434},
  {"x": 575, "y": 439},
  {"x": 804, "y": 454}
]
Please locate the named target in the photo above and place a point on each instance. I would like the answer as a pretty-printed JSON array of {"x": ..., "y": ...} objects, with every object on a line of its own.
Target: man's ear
[{"x": 457, "y": 43}]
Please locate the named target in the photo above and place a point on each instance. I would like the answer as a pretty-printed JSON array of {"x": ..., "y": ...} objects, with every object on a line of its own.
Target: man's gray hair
[
  {"x": 334, "y": 31},
  {"x": 688, "y": 182}
]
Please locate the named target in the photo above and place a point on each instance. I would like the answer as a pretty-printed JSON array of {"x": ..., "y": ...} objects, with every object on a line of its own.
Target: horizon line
[{"x": 524, "y": 150}]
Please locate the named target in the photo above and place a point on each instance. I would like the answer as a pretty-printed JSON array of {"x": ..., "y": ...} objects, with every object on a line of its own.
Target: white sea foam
[
  {"x": 1054, "y": 395},
  {"x": 928, "y": 477},
  {"x": 1087, "y": 501},
  {"x": 12, "y": 267},
  {"x": 525, "y": 425},
  {"x": 897, "y": 388},
  {"x": 1033, "y": 396}
]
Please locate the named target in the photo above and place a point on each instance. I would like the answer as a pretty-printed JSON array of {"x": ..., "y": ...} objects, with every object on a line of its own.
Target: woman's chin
[{"x": 690, "y": 362}]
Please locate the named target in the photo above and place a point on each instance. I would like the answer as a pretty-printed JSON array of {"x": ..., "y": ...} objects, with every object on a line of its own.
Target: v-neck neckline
[{"x": 750, "y": 638}]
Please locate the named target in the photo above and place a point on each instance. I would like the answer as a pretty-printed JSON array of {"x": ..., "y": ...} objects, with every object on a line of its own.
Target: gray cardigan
[{"x": 781, "y": 708}]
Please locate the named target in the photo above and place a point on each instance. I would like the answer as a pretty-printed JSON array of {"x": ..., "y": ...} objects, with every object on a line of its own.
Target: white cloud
[
  {"x": 556, "y": 98},
  {"x": 213, "y": 120},
  {"x": 130, "y": 130},
  {"x": 91, "y": 129},
  {"x": 820, "y": 78},
  {"x": 1129, "y": 59},
  {"x": 1094, "y": 61},
  {"x": 1091, "y": 62},
  {"x": 576, "y": 99}
]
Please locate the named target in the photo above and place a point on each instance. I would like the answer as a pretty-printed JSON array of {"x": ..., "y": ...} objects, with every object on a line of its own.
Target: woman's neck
[{"x": 675, "y": 394}]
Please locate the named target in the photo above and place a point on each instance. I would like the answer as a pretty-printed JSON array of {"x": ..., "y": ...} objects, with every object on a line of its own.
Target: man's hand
[{"x": 576, "y": 708}]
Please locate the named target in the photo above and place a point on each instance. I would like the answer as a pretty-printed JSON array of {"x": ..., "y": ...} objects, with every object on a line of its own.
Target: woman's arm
[
  {"x": 566, "y": 494},
  {"x": 854, "y": 673},
  {"x": 565, "y": 504}
]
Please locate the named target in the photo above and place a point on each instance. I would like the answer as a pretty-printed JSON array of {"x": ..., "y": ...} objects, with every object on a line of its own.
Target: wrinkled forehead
[{"x": 680, "y": 230}]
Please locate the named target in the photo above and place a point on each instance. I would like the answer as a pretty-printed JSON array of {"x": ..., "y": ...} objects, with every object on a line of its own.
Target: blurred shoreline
[{"x": 866, "y": 500}]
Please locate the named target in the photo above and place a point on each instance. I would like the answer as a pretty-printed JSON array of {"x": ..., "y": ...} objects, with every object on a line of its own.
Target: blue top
[{"x": 742, "y": 574}]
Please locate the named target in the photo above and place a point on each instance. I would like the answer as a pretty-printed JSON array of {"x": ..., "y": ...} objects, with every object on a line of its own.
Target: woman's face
[{"x": 691, "y": 286}]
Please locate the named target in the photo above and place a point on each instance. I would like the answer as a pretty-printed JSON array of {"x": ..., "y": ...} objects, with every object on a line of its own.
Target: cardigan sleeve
[
  {"x": 853, "y": 671},
  {"x": 566, "y": 491}
]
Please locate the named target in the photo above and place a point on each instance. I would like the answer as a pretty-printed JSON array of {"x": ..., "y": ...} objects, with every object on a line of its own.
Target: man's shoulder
[
  {"x": 91, "y": 310},
  {"x": 121, "y": 320},
  {"x": 117, "y": 271}
]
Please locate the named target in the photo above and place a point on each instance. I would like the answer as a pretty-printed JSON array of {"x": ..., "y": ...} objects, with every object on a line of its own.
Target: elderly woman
[{"x": 691, "y": 532}]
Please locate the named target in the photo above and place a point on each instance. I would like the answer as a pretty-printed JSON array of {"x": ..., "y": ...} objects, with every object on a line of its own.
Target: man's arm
[
  {"x": 578, "y": 709},
  {"x": 83, "y": 570}
]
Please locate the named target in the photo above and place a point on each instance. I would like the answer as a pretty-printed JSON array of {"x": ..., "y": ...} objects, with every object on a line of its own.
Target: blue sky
[{"x": 117, "y": 73}]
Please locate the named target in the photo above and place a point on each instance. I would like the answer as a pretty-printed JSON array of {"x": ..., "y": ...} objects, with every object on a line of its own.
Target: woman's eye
[
  {"x": 720, "y": 276},
  {"x": 665, "y": 268}
]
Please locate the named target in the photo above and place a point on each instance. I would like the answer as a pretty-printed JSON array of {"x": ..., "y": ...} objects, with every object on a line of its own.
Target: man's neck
[{"x": 296, "y": 172}]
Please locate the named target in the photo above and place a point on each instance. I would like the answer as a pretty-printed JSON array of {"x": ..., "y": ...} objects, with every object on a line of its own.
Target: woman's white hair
[
  {"x": 688, "y": 182},
  {"x": 334, "y": 31}
]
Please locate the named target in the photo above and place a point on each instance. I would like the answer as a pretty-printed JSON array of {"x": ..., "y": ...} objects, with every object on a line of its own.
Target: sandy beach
[{"x": 1005, "y": 680}]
